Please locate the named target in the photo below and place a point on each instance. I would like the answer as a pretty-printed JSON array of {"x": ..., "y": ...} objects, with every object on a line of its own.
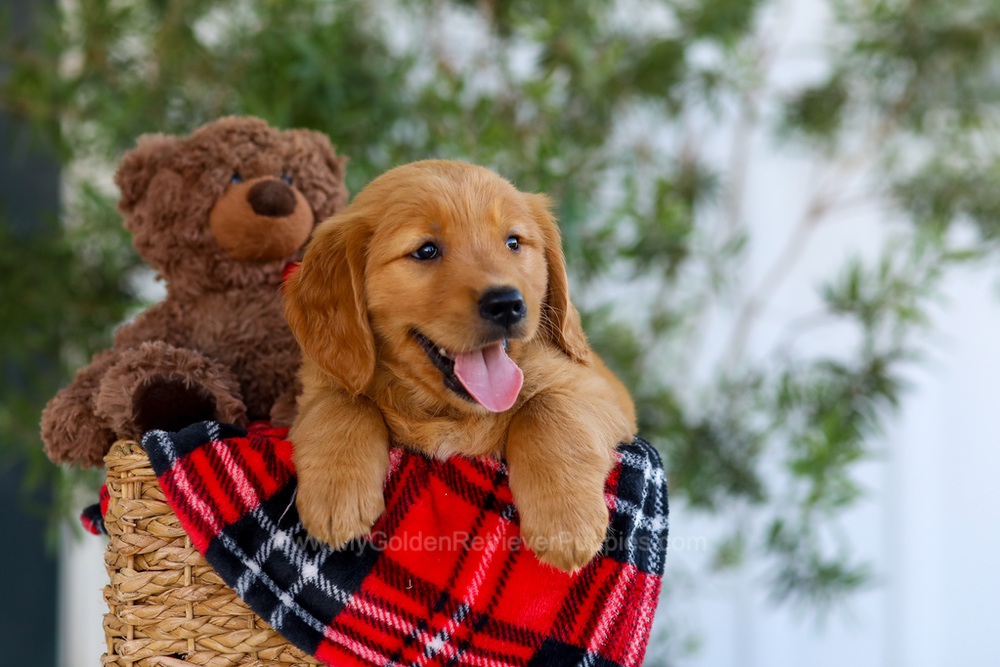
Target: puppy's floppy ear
[
  {"x": 560, "y": 319},
  {"x": 325, "y": 302}
]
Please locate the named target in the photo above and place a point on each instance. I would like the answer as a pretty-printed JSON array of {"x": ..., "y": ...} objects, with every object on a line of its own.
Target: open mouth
[{"x": 486, "y": 376}]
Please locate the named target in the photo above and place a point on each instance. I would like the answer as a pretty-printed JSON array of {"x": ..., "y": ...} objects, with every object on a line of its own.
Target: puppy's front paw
[
  {"x": 341, "y": 510},
  {"x": 565, "y": 535}
]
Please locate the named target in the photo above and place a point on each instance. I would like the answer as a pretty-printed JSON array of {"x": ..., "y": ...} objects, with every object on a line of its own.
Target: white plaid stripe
[
  {"x": 281, "y": 540},
  {"x": 612, "y": 610},
  {"x": 308, "y": 563},
  {"x": 307, "y": 566},
  {"x": 643, "y": 622},
  {"x": 359, "y": 649},
  {"x": 243, "y": 486},
  {"x": 367, "y": 610},
  {"x": 656, "y": 523},
  {"x": 255, "y": 572},
  {"x": 188, "y": 493},
  {"x": 441, "y": 641},
  {"x": 164, "y": 443}
]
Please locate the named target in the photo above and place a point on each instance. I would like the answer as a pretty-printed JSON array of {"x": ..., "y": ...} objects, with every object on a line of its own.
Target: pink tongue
[{"x": 490, "y": 377}]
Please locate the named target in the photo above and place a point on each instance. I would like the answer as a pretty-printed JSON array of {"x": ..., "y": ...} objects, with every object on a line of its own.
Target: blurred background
[{"x": 781, "y": 217}]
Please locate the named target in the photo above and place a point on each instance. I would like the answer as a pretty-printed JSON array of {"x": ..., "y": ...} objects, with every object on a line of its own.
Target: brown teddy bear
[{"x": 219, "y": 214}]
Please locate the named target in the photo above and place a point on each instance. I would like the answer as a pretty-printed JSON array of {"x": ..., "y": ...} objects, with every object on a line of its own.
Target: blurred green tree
[{"x": 611, "y": 108}]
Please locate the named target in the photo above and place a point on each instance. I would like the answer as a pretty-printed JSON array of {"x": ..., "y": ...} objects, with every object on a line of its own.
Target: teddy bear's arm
[
  {"x": 159, "y": 322},
  {"x": 71, "y": 429},
  {"x": 286, "y": 406}
]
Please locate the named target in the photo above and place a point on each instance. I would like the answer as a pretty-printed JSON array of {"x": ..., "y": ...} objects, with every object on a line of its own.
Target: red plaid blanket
[{"x": 443, "y": 580}]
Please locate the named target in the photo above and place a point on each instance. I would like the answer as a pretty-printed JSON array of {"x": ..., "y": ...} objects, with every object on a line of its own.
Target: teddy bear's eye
[
  {"x": 236, "y": 178},
  {"x": 287, "y": 178}
]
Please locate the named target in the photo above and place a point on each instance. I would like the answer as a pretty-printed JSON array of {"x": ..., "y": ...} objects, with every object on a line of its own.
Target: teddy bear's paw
[
  {"x": 284, "y": 410},
  {"x": 72, "y": 433},
  {"x": 170, "y": 404},
  {"x": 565, "y": 535},
  {"x": 339, "y": 511}
]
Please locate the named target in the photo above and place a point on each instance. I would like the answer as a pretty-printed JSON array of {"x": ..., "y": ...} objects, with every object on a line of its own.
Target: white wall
[
  {"x": 81, "y": 581},
  {"x": 929, "y": 527},
  {"x": 928, "y": 524}
]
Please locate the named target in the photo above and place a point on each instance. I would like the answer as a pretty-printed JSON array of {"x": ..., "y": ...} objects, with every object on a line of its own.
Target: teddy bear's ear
[
  {"x": 139, "y": 166},
  {"x": 320, "y": 143},
  {"x": 320, "y": 171}
]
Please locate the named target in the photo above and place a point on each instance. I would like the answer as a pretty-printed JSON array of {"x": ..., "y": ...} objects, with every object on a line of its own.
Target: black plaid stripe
[
  {"x": 225, "y": 481},
  {"x": 580, "y": 591},
  {"x": 92, "y": 514},
  {"x": 189, "y": 504},
  {"x": 164, "y": 448},
  {"x": 487, "y": 504},
  {"x": 471, "y": 492},
  {"x": 476, "y": 627},
  {"x": 430, "y": 595},
  {"x": 643, "y": 491},
  {"x": 596, "y": 611},
  {"x": 637, "y": 534},
  {"x": 403, "y": 489},
  {"x": 249, "y": 473},
  {"x": 300, "y": 586},
  {"x": 297, "y": 585},
  {"x": 555, "y": 653}
]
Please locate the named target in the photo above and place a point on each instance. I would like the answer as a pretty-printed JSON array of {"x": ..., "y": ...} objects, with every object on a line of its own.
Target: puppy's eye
[
  {"x": 236, "y": 178},
  {"x": 287, "y": 178},
  {"x": 513, "y": 243},
  {"x": 426, "y": 251}
]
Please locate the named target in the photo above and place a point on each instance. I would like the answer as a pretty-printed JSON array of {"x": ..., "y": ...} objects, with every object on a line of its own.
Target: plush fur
[
  {"x": 355, "y": 305},
  {"x": 218, "y": 214}
]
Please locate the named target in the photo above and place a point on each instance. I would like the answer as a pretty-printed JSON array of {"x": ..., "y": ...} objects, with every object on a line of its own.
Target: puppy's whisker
[
  {"x": 551, "y": 308},
  {"x": 547, "y": 318}
]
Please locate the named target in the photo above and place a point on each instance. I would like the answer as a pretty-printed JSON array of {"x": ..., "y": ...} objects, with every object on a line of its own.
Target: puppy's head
[{"x": 439, "y": 271}]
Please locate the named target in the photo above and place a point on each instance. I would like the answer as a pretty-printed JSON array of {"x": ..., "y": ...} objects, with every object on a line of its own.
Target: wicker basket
[{"x": 167, "y": 606}]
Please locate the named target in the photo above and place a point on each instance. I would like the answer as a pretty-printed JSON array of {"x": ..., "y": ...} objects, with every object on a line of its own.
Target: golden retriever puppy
[{"x": 433, "y": 313}]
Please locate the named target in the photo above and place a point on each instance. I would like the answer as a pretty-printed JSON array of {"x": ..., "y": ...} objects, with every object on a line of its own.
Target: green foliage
[
  {"x": 954, "y": 187},
  {"x": 573, "y": 99},
  {"x": 818, "y": 110},
  {"x": 725, "y": 21},
  {"x": 48, "y": 318},
  {"x": 804, "y": 572}
]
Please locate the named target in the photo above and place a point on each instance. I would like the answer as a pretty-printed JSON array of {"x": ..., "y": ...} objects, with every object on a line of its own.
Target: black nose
[
  {"x": 503, "y": 306},
  {"x": 272, "y": 198}
]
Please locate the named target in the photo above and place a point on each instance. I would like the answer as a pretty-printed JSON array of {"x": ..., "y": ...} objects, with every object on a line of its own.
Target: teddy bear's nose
[{"x": 272, "y": 198}]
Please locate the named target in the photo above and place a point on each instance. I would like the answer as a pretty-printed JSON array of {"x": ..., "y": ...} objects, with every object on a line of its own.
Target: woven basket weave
[{"x": 167, "y": 606}]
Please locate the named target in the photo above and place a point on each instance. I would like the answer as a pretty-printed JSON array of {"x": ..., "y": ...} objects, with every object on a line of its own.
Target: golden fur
[{"x": 367, "y": 383}]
